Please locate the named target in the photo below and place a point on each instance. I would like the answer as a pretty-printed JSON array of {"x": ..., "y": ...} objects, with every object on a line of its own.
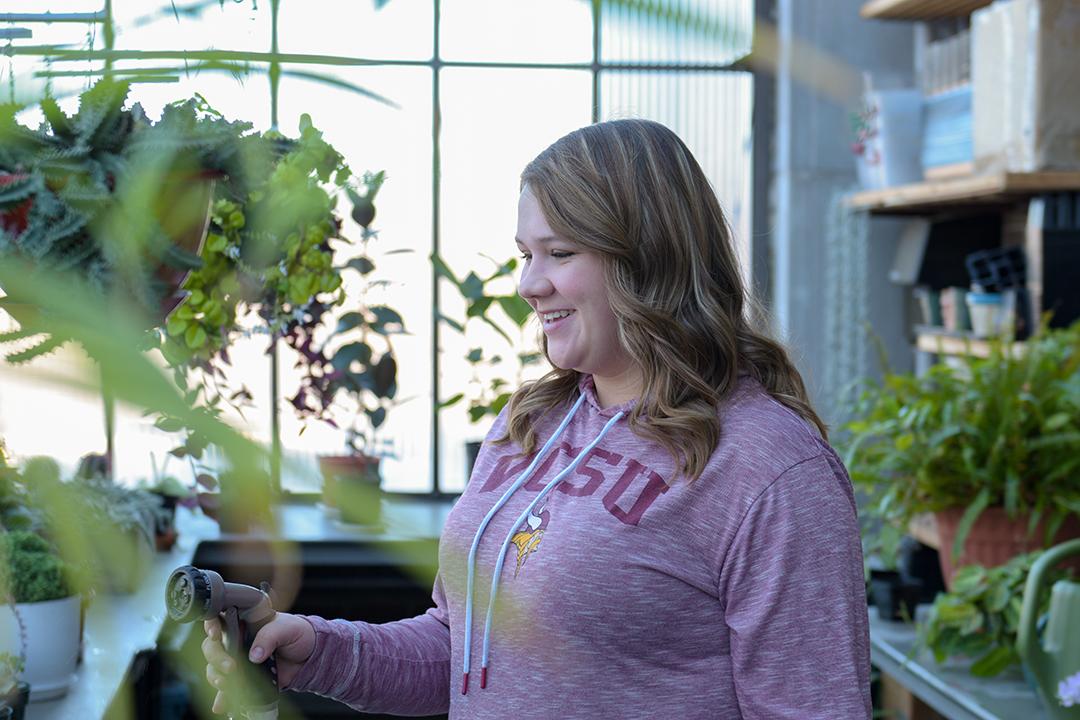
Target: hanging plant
[{"x": 93, "y": 198}]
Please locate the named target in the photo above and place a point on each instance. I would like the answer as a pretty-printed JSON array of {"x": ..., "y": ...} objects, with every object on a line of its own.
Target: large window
[{"x": 469, "y": 90}]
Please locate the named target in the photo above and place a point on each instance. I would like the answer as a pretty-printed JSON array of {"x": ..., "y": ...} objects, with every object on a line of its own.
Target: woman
[{"x": 658, "y": 525}]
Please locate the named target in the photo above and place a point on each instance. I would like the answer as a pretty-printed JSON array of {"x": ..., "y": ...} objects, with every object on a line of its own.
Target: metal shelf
[{"x": 949, "y": 687}]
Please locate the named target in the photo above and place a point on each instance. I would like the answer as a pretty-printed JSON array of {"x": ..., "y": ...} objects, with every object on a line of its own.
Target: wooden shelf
[
  {"x": 919, "y": 9},
  {"x": 991, "y": 189},
  {"x": 924, "y": 529},
  {"x": 940, "y": 341}
]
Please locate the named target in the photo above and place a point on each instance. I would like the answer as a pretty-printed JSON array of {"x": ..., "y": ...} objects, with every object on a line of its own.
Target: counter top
[
  {"x": 118, "y": 627},
  {"x": 949, "y": 687}
]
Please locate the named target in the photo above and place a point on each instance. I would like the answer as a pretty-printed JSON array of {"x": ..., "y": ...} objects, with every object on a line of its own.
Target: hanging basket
[
  {"x": 182, "y": 210},
  {"x": 184, "y": 213}
]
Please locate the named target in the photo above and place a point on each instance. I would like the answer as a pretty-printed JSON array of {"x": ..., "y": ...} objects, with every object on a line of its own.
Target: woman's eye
[{"x": 560, "y": 255}]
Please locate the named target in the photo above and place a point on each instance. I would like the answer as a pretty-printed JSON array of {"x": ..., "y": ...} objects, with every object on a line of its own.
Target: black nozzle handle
[
  {"x": 192, "y": 594},
  {"x": 257, "y": 684}
]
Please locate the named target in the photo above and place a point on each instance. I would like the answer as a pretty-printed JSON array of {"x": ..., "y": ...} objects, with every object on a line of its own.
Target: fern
[
  {"x": 16, "y": 335},
  {"x": 17, "y": 191},
  {"x": 62, "y": 228},
  {"x": 48, "y": 344}
]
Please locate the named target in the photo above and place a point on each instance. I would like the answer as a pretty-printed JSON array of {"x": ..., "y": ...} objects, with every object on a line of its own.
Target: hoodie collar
[{"x": 587, "y": 387}]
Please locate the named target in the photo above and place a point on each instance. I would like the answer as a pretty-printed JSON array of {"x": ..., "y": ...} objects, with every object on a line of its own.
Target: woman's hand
[{"x": 289, "y": 637}]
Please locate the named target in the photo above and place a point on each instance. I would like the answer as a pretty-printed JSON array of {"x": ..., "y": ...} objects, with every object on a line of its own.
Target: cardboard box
[{"x": 1025, "y": 74}]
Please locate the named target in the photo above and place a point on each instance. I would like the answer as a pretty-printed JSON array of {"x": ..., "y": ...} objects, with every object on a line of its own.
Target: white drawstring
[
  {"x": 471, "y": 582},
  {"x": 513, "y": 530}
]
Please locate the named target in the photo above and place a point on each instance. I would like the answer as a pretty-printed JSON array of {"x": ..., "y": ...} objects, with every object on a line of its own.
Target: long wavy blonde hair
[{"x": 631, "y": 191}]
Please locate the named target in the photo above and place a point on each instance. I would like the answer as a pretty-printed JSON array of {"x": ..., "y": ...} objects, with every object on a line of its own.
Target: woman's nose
[{"x": 533, "y": 283}]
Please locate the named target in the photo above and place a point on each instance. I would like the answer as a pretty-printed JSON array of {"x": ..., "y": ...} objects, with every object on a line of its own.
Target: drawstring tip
[
  {"x": 483, "y": 678},
  {"x": 465, "y": 684}
]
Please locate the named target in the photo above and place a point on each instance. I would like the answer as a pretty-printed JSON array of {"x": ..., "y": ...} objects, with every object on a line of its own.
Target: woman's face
[{"x": 564, "y": 284}]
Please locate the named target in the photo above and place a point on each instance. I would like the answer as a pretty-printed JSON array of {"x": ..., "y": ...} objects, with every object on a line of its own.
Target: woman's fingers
[
  {"x": 215, "y": 655},
  {"x": 218, "y": 664},
  {"x": 220, "y": 704}
]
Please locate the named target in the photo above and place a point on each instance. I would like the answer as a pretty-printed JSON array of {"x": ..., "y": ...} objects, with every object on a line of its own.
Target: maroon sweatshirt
[{"x": 626, "y": 591}]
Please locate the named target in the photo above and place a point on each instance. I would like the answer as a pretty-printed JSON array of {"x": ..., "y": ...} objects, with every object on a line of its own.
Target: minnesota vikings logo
[{"x": 527, "y": 539}]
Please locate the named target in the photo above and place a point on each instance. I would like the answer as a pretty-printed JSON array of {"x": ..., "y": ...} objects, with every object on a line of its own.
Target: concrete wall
[{"x": 824, "y": 47}]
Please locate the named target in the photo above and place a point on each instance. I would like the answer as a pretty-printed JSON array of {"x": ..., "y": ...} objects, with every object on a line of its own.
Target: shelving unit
[
  {"x": 975, "y": 190},
  {"x": 959, "y": 208},
  {"x": 919, "y": 9},
  {"x": 1009, "y": 194},
  {"x": 937, "y": 340}
]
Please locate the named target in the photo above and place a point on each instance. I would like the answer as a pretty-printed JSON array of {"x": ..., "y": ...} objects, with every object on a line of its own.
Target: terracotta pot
[
  {"x": 994, "y": 539},
  {"x": 351, "y": 484},
  {"x": 184, "y": 213}
]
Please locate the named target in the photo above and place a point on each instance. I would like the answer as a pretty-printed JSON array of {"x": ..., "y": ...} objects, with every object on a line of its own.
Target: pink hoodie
[{"x": 626, "y": 592}]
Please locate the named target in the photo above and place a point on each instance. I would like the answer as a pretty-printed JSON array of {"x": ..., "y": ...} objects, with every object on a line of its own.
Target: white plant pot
[
  {"x": 10, "y": 639},
  {"x": 53, "y": 637}
]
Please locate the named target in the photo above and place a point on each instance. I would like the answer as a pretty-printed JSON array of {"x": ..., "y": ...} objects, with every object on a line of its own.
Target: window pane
[
  {"x": 165, "y": 26},
  {"x": 400, "y": 30},
  {"x": 373, "y": 136},
  {"x": 713, "y": 32},
  {"x": 711, "y": 112},
  {"x": 525, "y": 31},
  {"x": 17, "y": 74},
  {"x": 494, "y": 122}
]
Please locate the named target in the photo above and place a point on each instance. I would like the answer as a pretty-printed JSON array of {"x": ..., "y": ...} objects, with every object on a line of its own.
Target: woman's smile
[{"x": 565, "y": 286}]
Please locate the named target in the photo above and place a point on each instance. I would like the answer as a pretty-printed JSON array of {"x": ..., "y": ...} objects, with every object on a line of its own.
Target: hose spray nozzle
[{"x": 192, "y": 594}]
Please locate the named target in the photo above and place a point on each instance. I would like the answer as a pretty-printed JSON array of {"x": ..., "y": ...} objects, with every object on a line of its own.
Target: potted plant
[
  {"x": 14, "y": 691},
  {"x": 174, "y": 493},
  {"x": 978, "y": 443},
  {"x": 489, "y": 390},
  {"x": 49, "y": 609},
  {"x": 79, "y": 198},
  {"x": 980, "y": 616},
  {"x": 276, "y": 254},
  {"x": 113, "y": 208},
  {"x": 112, "y": 199},
  {"x": 117, "y": 525},
  {"x": 96, "y": 522},
  {"x": 350, "y": 378}
]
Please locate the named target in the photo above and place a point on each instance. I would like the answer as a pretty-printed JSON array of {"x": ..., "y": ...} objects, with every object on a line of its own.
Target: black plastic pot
[
  {"x": 15, "y": 702},
  {"x": 895, "y": 594}
]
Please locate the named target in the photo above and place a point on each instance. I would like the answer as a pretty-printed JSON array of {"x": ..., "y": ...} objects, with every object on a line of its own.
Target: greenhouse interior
[{"x": 301, "y": 311}]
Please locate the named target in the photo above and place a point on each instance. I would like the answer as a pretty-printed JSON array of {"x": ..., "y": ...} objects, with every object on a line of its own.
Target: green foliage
[
  {"x": 273, "y": 254},
  {"x": 29, "y": 569},
  {"x": 17, "y": 511},
  {"x": 93, "y": 195},
  {"x": 489, "y": 395},
  {"x": 102, "y": 530},
  {"x": 1001, "y": 431},
  {"x": 91, "y": 200},
  {"x": 11, "y": 667},
  {"x": 980, "y": 617}
]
